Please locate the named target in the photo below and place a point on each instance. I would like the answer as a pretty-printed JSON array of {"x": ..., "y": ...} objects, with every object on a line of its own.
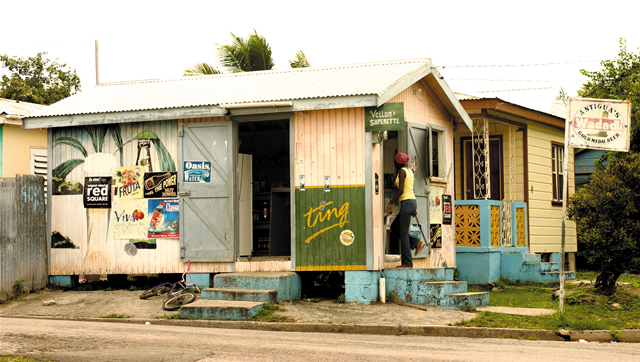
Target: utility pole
[{"x": 97, "y": 66}]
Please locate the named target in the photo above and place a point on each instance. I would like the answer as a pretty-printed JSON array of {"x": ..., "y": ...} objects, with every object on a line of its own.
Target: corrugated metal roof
[
  {"x": 16, "y": 108},
  {"x": 249, "y": 87}
]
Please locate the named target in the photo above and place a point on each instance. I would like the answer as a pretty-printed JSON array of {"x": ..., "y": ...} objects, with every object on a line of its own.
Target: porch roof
[
  {"x": 302, "y": 89},
  {"x": 497, "y": 105}
]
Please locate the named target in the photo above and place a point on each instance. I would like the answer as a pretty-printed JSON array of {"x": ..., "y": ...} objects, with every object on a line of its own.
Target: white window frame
[
  {"x": 441, "y": 153},
  {"x": 557, "y": 169}
]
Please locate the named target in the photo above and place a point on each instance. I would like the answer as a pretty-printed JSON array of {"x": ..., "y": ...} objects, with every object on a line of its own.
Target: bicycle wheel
[
  {"x": 158, "y": 290},
  {"x": 177, "y": 301}
]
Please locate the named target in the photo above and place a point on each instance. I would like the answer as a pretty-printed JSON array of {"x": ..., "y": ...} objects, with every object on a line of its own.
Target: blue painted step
[
  {"x": 432, "y": 287},
  {"x": 220, "y": 309},
  {"x": 247, "y": 295},
  {"x": 287, "y": 284}
]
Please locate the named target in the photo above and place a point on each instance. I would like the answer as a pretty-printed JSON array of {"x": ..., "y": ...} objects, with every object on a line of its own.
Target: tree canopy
[
  {"x": 248, "y": 54},
  {"x": 37, "y": 79},
  {"x": 607, "y": 210}
]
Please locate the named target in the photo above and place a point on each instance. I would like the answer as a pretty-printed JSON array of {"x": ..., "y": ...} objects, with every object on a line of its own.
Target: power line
[
  {"x": 514, "y": 65},
  {"x": 514, "y": 90},
  {"x": 517, "y": 80}
]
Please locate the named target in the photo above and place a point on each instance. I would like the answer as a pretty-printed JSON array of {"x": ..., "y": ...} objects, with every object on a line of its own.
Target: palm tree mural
[
  {"x": 248, "y": 54},
  {"x": 101, "y": 163}
]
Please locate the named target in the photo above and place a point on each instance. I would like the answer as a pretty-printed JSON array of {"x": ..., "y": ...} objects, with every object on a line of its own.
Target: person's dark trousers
[{"x": 400, "y": 227}]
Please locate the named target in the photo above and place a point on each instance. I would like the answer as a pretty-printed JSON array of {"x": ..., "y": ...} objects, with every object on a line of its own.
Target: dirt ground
[{"x": 95, "y": 304}]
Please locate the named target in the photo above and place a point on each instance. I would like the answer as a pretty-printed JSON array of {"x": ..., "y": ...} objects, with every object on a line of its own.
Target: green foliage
[
  {"x": 300, "y": 61},
  {"x": 607, "y": 211},
  {"x": 249, "y": 54},
  {"x": 37, "y": 79},
  {"x": 18, "y": 288},
  {"x": 584, "y": 309},
  {"x": 342, "y": 298},
  {"x": 265, "y": 314},
  {"x": 115, "y": 316},
  {"x": 169, "y": 316}
]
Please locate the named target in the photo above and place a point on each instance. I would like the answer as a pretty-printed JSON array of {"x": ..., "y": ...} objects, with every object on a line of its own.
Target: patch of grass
[
  {"x": 115, "y": 316},
  {"x": 312, "y": 300},
  {"x": 265, "y": 314},
  {"x": 170, "y": 316},
  {"x": 20, "y": 359},
  {"x": 584, "y": 309},
  {"x": 341, "y": 298}
]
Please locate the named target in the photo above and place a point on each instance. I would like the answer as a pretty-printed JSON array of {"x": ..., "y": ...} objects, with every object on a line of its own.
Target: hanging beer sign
[
  {"x": 601, "y": 124},
  {"x": 387, "y": 117},
  {"x": 160, "y": 184}
]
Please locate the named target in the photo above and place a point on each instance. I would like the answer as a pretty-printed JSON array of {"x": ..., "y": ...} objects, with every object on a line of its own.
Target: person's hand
[
  {"x": 415, "y": 213},
  {"x": 389, "y": 209}
]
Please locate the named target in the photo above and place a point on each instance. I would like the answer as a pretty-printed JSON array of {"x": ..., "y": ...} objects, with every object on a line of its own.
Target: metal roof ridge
[{"x": 262, "y": 72}]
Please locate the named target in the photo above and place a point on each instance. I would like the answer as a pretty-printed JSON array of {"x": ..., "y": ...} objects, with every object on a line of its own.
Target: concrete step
[
  {"x": 531, "y": 258},
  {"x": 430, "y": 293},
  {"x": 247, "y": 295},
  {"x": 568, "y": 275},
  {"x": 542, "y": 267},
  {"x": 406, "y": 282},
  {"x": 220, "y": 309},
  {"x": 287, "y": 284},
  {"x": 465, "y": 300}
]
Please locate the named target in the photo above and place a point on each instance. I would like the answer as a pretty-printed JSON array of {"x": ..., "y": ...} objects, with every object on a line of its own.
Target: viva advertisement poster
[
  {"x": 129, "y": 180},
  {"x": 164, "y": 218},
  {"x": 130, "y": 219}
]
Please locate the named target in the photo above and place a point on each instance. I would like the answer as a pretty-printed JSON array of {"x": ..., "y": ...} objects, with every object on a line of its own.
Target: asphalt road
[{"x": 64, "y": 340}]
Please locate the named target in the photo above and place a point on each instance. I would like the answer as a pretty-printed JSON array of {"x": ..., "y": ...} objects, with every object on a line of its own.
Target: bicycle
[{"x": 178, "y": 293}]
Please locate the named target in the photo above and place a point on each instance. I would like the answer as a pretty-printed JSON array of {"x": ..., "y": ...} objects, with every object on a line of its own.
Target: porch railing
[{"x": 479, "y": 223}]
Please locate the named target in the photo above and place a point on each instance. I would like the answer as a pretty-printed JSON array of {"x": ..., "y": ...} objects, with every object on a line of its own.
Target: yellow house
[
  {"x": 21, "y": 151},
  {"x": 509, "y": 179}
]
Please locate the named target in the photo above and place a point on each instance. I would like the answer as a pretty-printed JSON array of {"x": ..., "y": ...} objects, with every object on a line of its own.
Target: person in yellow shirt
[{"x": 408, "y": 207}]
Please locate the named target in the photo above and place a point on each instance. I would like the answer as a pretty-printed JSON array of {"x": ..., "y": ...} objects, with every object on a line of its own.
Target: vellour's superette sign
[{"x": 599, "y": 123}]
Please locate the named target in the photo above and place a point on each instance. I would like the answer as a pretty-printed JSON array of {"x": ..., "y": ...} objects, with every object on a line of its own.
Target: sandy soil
[{"x": 94, "y": 304}]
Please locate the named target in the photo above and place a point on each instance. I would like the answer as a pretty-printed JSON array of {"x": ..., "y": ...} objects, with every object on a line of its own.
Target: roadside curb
[{"x": 627, "y": 335}]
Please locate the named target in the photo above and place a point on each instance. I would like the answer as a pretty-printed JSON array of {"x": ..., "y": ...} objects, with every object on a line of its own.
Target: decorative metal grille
[
  {"x": 480, "y": 158},
  {"x": 520, "y": 227},
  {"x": 507, "y": 233},
  {"x": 467, "y": 225},
  {"x": 495, "y": 225}
]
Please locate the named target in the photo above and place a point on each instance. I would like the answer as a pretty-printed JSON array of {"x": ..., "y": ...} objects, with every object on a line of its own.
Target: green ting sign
[{"x": 387, "y": 117}]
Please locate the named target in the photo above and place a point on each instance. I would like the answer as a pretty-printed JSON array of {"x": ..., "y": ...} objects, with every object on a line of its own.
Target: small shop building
[{"x": 269, "y": 171}]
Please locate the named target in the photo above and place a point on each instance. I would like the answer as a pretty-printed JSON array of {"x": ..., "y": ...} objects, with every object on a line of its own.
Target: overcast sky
[{"x": 538, "y": 46}]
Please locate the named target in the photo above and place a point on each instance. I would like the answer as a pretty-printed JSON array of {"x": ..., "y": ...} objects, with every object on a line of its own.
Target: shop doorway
[{"x": 264, "y": 171}]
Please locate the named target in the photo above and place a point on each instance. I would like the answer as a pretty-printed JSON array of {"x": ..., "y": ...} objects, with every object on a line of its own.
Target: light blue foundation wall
[{"x": 485, "y": 263}]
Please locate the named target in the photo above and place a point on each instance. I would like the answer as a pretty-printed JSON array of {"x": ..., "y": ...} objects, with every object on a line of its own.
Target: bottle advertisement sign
[
  {"x": 601, "y": 124},
  {"x": 164, "y": 218},
  {"x": 387, "y": 117},
  {"x": 197, "y": 171},
  {"x": 160, "y": 184}
]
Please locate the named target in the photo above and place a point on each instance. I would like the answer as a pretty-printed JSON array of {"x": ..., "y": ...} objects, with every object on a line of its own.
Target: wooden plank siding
[
  {"x": 545, "y": 219},
  {"x": 67, "y": 213},
  {"x": 422, "y": 107}
]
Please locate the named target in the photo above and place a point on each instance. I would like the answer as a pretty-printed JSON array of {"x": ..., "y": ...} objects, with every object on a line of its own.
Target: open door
[
  {"x": 418, "y": 146},
  {"x": 206, "y": 192}
]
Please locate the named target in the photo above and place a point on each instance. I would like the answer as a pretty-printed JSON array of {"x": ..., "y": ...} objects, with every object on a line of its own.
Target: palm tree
[{"x": 245, "y": 55}]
